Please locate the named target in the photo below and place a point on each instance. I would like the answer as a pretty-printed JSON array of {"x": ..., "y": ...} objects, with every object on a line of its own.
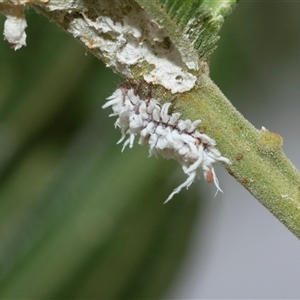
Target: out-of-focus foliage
[{"x": 78, "y": 218}]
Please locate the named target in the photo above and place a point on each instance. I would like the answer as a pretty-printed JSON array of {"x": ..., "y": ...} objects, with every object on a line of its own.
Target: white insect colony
[{"x": 166, "y": 134}]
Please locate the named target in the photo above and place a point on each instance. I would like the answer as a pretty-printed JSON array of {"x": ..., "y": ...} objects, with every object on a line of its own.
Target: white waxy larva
[{"x": 166, "y": 134}]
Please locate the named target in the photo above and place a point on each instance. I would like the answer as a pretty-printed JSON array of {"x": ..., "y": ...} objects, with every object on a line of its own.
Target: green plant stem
[{"x": 258, "y": 161}]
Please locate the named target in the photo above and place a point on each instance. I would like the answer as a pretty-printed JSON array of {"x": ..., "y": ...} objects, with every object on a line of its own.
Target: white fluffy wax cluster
[
  {"x": 166, "y": 134},
  {"x": 14, "y": 31}
]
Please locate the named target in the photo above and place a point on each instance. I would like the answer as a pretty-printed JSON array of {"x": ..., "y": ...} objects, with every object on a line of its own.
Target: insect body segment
[{"x": 166, "y": 134}]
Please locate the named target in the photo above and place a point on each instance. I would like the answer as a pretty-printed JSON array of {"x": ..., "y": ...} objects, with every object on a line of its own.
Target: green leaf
[{"x": 193, "y": 25}]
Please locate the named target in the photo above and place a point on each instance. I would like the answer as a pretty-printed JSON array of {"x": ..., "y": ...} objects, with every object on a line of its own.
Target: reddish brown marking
[
  {"x": 230, "y": 172},
  {"x": 209, "y": 176},
  {"x": 184, "y": 97},
  {"x": 123, "y": 86},
  {"x": 245, "y": 182},
  {"x": 239, "y": 156},
  {"x": 130, "y": 83},
  {"x": 197, "y": 141}
]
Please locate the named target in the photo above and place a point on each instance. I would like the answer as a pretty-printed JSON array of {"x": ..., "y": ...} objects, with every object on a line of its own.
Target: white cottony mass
[
  {"x": 14, "y": 31},
  {"x": 166, "y": 134}
]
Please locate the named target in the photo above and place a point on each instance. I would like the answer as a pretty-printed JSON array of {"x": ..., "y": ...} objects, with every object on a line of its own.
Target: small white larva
[{"x": 166, "y": 134}]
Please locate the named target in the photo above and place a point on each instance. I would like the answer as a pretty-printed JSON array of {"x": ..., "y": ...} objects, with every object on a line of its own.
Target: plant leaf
[{"x": 193, "y": 25}]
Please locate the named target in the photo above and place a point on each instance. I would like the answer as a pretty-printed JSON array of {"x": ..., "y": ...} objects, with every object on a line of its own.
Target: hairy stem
[{"x": 258, "y": 161}]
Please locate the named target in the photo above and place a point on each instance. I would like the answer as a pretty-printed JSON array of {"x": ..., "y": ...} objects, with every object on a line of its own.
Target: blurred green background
[{"x": 78, "y": 218}]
